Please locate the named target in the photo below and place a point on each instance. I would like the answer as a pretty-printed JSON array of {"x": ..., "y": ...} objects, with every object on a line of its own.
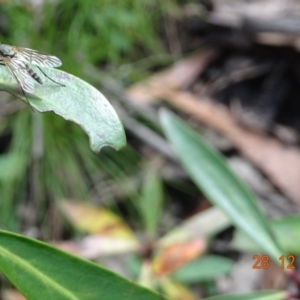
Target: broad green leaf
[
  {"x": 39, "y": 270},
  {"x": 264, "y": 295},
  {"x": 286, "y": 230},
  {"x": 151, "y": 200},
  {"x": 203, "y": 269},
  {"x": 77, "y": 101},
  {"x": 211, "y": 173}
]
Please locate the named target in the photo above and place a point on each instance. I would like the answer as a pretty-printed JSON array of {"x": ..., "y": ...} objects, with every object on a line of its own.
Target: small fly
[{"x": 16, "y": 59}]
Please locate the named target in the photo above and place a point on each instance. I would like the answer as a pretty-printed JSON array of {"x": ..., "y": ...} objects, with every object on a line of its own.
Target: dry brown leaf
[
  {"x": 9, "y": 294},
  {"x": 94, "y": 246},
  {"x": 175, "y": 256},
  {"x": 279, "y": 162},
  {"x": 181, "y": 75},
  {"x": 96, "y": 220}
]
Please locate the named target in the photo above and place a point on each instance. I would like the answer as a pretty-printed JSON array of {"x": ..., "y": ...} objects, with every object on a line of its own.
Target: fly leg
[{"x": 49, "y": 77}]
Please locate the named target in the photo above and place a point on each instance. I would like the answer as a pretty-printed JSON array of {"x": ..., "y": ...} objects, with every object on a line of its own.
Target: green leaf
[
  {"x": 203, "y": 269},
  {"x": 37, "y": 269},
  {"x": 151, "y": 202},
  {"x": 77, "y": 101},
  {"x": 286, "y": 230},
  {"x": 211, "y": 173},
  {"x": 264, "y": 295}
]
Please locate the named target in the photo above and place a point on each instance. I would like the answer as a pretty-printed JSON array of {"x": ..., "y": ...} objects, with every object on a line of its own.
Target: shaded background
[{"x": 45, "y": 160}]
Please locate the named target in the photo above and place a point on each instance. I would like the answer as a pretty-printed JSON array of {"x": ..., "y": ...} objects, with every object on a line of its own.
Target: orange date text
[{"x": 263, "y": 262}]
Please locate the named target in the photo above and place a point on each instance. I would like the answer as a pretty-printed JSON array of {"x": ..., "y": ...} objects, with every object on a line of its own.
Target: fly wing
[
  {"x": 19, "y": 71},
  {"x": 37, "y": 58}
]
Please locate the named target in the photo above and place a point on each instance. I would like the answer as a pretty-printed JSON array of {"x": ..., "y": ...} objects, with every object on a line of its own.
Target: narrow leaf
[
  {"x": 204, "y": 224},
  {"x": 286, "y": 230},
  {"x": 210, "y": 172},
  {"x": 151, "y": 202},
  {"x": 204, "y": 268}
]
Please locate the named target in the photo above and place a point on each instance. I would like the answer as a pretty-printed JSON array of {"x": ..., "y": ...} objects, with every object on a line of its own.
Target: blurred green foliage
[
  {"x": 43, "y": 157},
  {"x": 82, "y": 32}
]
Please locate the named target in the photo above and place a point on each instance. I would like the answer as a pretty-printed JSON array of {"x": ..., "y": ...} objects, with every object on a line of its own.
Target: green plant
[
  {"x": 46, "y": 159},
  {"x": 213, "y": 177},
  {"x": 43, "y": 272},
  {"x": 94, "y": 40}
]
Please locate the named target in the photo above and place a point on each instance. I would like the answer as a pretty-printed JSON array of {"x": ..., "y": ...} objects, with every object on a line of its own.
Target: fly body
[
  {"x": 35, "y": 76},
  {"x": 16, "y": 59}
]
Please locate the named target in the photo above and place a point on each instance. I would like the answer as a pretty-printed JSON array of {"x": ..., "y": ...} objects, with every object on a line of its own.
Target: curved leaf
[
  {"x": 206, "y": 223},
  {"x": 204, "y": 268},
  {"x": 210, "y": 172},
  {"x": 286, "y": 230},
  {"x": 37, "y": 269},
  {"x": 152, "y": 196},
  {"x": 77, "y": 101}
]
